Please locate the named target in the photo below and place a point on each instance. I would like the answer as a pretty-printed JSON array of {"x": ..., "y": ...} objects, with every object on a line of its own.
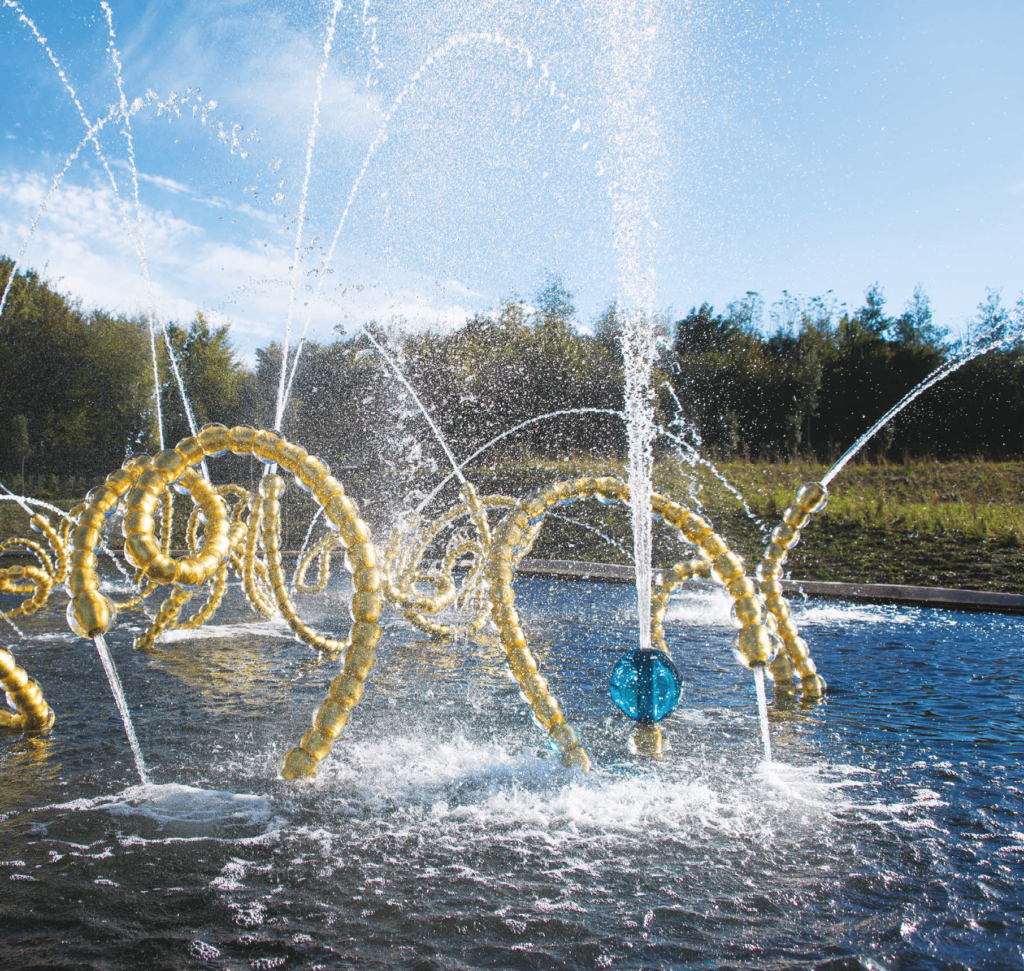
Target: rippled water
[{"x": 443, "y": 833}]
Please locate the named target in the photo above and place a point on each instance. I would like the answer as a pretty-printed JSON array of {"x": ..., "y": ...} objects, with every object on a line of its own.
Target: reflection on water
[{"x": 442, "y": 832}]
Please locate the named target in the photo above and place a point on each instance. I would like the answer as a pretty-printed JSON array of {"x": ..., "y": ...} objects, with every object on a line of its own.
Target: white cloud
[{"x": 81, "y": 244}]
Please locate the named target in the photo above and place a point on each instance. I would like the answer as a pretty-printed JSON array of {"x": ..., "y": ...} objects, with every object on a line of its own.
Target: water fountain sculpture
[{"x": 143, "y": 487}]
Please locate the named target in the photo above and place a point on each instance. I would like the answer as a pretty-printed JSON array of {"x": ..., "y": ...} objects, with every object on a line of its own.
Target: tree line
[{"x": 803, "y": 377}]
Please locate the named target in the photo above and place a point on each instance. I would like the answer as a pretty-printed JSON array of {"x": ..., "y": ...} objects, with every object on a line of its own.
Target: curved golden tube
[
  {"x": 34, "y": 582},
  {"x": 221, "y": 539},
  {"x": 756, "y": 643},
  {"x": 33, "y": 713},
  {"x": 795, "y": 657},
  {"x": 144, "y": 483}
]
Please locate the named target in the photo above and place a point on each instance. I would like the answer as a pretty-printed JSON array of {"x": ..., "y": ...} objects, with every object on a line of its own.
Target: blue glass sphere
[{"x": 645, "y": 685}]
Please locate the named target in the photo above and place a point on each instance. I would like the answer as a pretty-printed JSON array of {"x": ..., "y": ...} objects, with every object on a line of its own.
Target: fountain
[{"x": 416, "y": 760}]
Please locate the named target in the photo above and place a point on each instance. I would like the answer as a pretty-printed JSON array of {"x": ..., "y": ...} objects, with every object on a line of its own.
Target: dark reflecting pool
[{"x": 442, "y": 832}]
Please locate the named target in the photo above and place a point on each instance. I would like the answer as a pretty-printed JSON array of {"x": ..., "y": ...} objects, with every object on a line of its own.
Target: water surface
[{"x": 443, "y": 832}]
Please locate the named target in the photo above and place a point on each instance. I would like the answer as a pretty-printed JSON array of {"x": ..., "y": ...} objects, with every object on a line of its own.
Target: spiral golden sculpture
[{"x": 232, "y": 530}]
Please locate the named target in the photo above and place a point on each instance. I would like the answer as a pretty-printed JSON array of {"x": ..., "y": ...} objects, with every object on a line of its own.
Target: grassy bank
[{"x": 951, "y": 524}]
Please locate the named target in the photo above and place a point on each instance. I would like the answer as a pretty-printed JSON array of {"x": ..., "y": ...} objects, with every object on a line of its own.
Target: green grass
[{"x": 955, "y": 524}]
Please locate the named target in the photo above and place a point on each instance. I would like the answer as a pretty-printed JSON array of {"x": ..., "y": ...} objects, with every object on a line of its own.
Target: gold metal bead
[
  {"x": 694, "y": 528},
  {"x": 92, "y": 518},
  {"x": 714, "y": 546},
  {"x": 756, "y": 646},
  {"x": 813, "y": 686},
  {"x": 796, "y": 517},
  {"x": 311, "y": 470},
  {"x": 747, "y": 611},
  {"x": 367, "y": 578},
  {"x": 143, "y": 500},
  {"x": 365, "y": 634},
  {"x": 576, "y": 757},
  {"x": 240, "y": 439},
  {"x": 170, "y": 464},
  {"x": 804, "y": 667},
  {"x": 94, "y": 613},
  {"x": 673, "y": 513},
  {"x": 563, "y": 736},
  {"x": 331, "y": 719},
  {"x": 498, "y": 571},
  {"x": 781, "y": 669},
  {"x": 139, "y": 548},
  {"x": 534, "y": 685},
  {"x": 775, "y": 552},
  {"x": 86, "y": 537},
  {"x": 104, "y": 498},
  {"x": 7, "y": 664},
  {"x": 787, "y": 630},
  {"x": 535, "y": 507},
  {"x": 346, "y": 690},
  {"x": 120, "y": 480},
  {"x": 796, "y": 647},
  {"x": 812, "y": 497},
  {"x": 727, "y": 567},
  {"x": 137, "y": 521},
  {"x": 505, "y": 614},
  {"x": 361, "y": 555},
  {"x": 327, "y": 489},
  {"x": 265, "y": 445},
  {"x": 290, "y": 455},
  {"x": 512, "y": 640},
  {"x": 545, "y": 707},
  {"x": 341, "y": 509},
  {"x": 768, "y": 570},
  {"x": 137, "y": 463},
  {"x": 359, "y": 661},
  {"x": 81, "y": 580},
  {"x": 317, "y": 744},
  {"x": 742, "y": 587},
  {"x": 785, "y": 536},
  {"x": 188, "y": 572},
  {"x": 586, "y": 486},
  {"x": 354, "y": 531},
  {"x": 648, "y": 740},
  {"x": 272, "y": 486},
  {"x": 298, "y": 764},
  {"x": 213, "y": 439},
  {"x": 521, "y": 662}
]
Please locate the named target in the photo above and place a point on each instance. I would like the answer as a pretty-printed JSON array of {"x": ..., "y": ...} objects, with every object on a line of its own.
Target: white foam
[
  {"x": 274, "y": 627},
  {"x": 847, "y": 613},
  {"x": 189, "y": 804},
  {"x": 175, "y": 804},
  {"x": 710, "y": 609},
  {"x": 456, "y": 788}
]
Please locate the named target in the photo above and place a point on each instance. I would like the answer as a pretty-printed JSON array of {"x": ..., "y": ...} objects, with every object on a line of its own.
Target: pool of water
[{"x": 443, "y": 833}]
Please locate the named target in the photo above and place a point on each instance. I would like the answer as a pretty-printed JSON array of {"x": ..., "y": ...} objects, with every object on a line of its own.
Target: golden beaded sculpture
[{"x": 232, "y": 538}]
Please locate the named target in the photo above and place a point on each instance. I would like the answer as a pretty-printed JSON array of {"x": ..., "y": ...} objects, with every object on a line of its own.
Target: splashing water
[
  {"x": 136, "y": 239},
  {"x": 419, "y": 404},
  {"x": 941, "y": 372},
  {"x": 453, "y": 43},
  {"x": 122, "y": 705},
  {"x": 762, "y": 713},
  {"x": 511, "y": 431},
  {"x": 632, "y": 28},
  {"x": 301, "y": 220}
]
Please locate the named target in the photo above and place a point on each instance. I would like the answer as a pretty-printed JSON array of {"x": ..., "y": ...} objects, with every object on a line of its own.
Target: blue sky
[{"x": 800, "y": 146}]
